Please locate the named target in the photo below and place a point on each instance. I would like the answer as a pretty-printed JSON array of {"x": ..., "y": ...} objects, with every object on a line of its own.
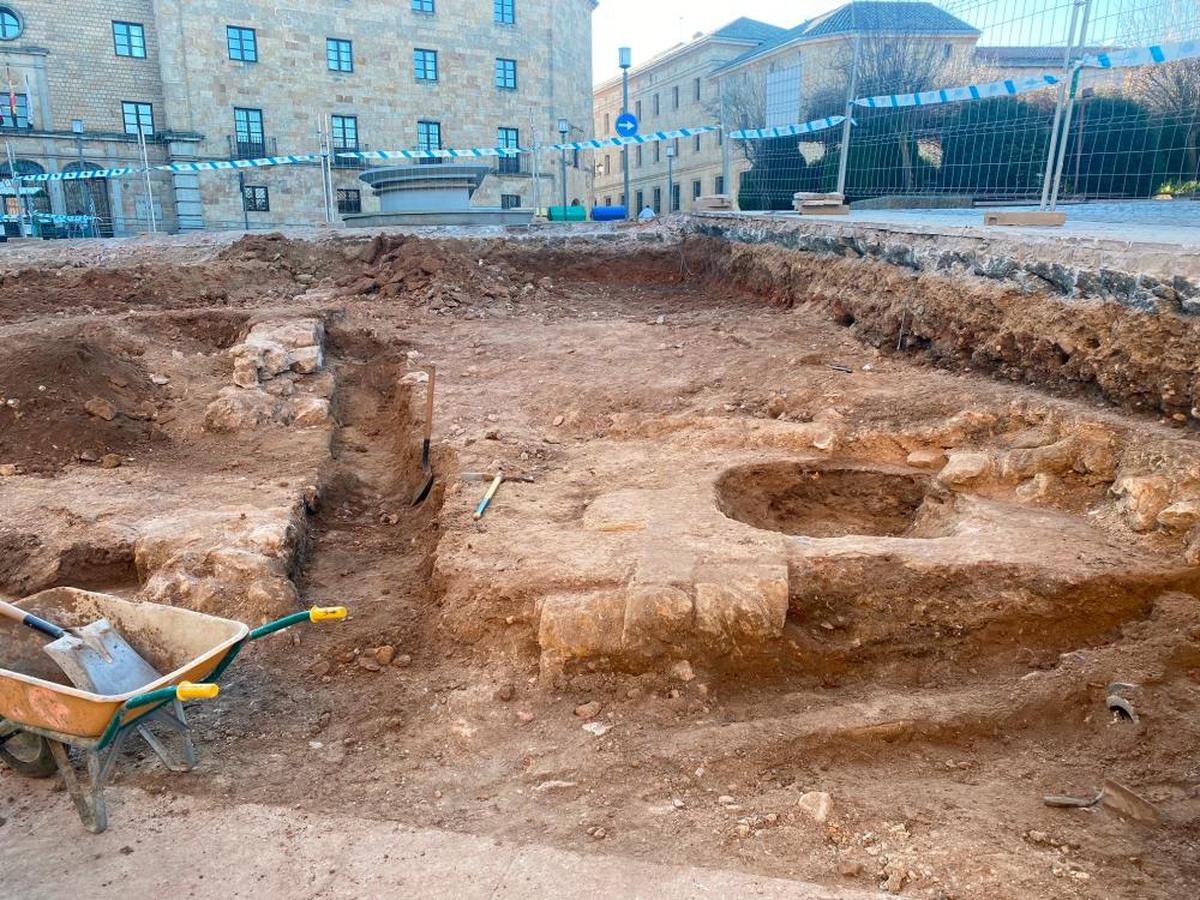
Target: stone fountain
[{"x": 413, "y": 194}]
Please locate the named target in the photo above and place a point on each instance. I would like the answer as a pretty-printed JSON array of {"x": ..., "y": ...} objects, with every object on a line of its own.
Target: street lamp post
[
  {"x": 564, "y": 129},
  {"x": 670, "y": 179},
  {"x": 626, "y": 60},
  {"x": 84, "y": 189}
]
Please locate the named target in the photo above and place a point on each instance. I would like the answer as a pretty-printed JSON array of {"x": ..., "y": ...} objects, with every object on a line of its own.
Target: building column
[{"x": 189, "y": 205}]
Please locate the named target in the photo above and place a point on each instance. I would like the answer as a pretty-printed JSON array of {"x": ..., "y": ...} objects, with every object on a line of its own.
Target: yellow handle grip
[
  {"x": 327, "y": 614},
  {"x": 186, "y": 690}
]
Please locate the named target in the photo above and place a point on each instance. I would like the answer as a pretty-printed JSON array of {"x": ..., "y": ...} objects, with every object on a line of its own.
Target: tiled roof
[
  {"x": 865, "y": 17},
  {"x": 887, "y": 17},
  {"x": 745, "y": 29}
]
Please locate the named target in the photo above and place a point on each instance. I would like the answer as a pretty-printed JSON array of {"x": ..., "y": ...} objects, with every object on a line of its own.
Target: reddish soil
[{"x": 934, "y": 746}]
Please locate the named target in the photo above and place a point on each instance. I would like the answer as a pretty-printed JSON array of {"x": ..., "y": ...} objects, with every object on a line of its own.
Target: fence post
[
  {"x": 1076, "y": 78},
  {"x": 1056, "y": 131},
  {"x": 844, "y": 152}
]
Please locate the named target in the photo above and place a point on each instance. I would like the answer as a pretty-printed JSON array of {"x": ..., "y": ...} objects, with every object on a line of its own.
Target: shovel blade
[
  {"x": 98, "y": 660},
  {"x": 1127, "y": 804}
]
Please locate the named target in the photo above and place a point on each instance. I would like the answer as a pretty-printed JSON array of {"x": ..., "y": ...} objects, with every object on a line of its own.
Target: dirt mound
[{"x": 63, "y": 395}]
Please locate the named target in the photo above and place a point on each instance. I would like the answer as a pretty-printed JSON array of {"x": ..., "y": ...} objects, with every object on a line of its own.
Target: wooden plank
[{"x": 1043, "y": 219}]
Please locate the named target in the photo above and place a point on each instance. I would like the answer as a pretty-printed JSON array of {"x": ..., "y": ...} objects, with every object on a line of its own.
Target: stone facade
[
  {"x": 680, "y": 69},
  {"x": 67, "y": 54}
]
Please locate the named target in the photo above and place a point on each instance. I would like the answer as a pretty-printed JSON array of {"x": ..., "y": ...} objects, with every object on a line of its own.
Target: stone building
[
  {"x": 234, "y": 79},
  {"x": 753, "y": 74}
]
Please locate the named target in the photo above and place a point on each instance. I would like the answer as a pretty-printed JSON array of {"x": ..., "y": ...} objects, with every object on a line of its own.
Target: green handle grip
[
  {"x": 162, "y": 695},
  {"x": 316, "y": 614}
]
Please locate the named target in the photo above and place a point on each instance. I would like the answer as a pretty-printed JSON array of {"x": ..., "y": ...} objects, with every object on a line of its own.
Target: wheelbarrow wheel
[{"x": 28, "y": 755}]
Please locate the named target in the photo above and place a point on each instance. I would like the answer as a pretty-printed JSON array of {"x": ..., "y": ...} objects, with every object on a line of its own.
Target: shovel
[
  {"x": 96, "y": 658},
  {"x": 426, "y": 463},
  {"x": 1114, "y": 796}
]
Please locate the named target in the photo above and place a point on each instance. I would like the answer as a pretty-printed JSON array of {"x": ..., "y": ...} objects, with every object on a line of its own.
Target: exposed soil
[
  {"x": 821, "y": 501},
  {"x": 66, "y": 391},
  {"x": 948, "y": 629}
]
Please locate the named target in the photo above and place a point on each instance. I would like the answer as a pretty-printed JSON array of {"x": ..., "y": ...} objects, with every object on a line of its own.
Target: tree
[{"x": 1172, "y": 92}]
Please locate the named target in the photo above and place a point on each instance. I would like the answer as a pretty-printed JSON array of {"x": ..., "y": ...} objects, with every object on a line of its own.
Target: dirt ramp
[{"x": 67, "y": 394}]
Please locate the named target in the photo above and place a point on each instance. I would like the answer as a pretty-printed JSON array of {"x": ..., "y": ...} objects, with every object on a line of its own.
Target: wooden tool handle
[
  {"x": 432, "y": 370},
  {"x": 489, "y": 496},
  {"x": 19, "y": 615}
]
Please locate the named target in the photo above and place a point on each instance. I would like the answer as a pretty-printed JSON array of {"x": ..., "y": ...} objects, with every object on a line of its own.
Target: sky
[{"x": 651, "y": 26}]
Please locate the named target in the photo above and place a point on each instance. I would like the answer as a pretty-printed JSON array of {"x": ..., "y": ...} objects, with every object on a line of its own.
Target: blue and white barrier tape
[
  {"x": 635, "y": 139},
  {"x": 55, "y": 219},
  {"x": 787, "y": 130},
  {"x": 1144, "y": 56},
  {"x": 471, "y": 153},
  {"x": 213, "y": 165},
  {"x": 1007, "y": 88}
]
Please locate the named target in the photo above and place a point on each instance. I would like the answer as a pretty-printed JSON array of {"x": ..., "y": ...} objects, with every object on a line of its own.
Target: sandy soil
[{"x": 933, "y": 700}]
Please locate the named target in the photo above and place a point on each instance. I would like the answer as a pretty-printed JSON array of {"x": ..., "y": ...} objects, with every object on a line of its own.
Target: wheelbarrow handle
[
  {"x": 185, "y": 690},
  {"x": 316, "y": 614}
]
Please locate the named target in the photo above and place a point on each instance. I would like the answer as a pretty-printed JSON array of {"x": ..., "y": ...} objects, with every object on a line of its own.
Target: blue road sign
[{"x": 627, "y": 125}]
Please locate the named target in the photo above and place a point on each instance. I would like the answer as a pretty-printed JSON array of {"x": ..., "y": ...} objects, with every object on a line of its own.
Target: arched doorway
[
  {"x": 88, "y": 197},
  {"x": 33, "y": 197}
]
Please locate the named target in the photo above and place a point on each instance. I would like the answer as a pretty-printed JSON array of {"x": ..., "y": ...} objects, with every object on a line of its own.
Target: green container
[{"x": 568, "y": 214}]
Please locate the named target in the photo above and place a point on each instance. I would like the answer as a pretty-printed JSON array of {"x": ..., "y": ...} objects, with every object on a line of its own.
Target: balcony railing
[{"x": 240, "y": 148}]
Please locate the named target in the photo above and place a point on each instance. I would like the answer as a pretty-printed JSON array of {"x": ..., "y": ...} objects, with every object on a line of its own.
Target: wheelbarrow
[{"x": 42, "y": 718}]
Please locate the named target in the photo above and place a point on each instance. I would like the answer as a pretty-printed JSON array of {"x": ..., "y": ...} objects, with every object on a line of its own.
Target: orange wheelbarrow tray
[{"x": 41, "y": 718}]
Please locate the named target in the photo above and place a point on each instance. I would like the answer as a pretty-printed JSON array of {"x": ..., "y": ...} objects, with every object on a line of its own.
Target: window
[
  {"x": 641, "y": 200},
  {"x": 608, "y": 201},
  {"x": 657, "y": 108},
  {"x": 639, "y": 155},
  {"x": 129, "y": 39},
  {"x": 22, "y": 117},
  {"x": 345, "y": 132},
  {"x": 510, "y": 139},
  {"x": 429, "y": 137},
  {"x": 675, "y": 143},
  {"x": 696, "y": 90},
  {"x": 339, "y": 55},
  {"x": 721, "y": 138},
  {"x": 506, "y": 74},
  {"x": 658, "y": 151},
  {"x": 425, "y": 63},
  {"x": 243, "y": 44},
  {"x": 719, "y": 184},
  {"x": 947, "y": 51},
  {"x": 696, "y": 143},
  {"x": 675, "y": 197},
  {"x": 675, "y": 97},
  {"x": 608, "y": 166},
  {"x": 607, "y": 123},
  {"x": 696, "y": 189},
  {"x": 255, "y": 198},
  {"x": 422, "y": 6},
  {"x": 510, "y": 201},
  {"x": 658, "y": 201},
  {"x": 137, "y": 116},
  {"x": 10, "y": 24},
  {"x": 349, "y": 201},
  {"x": 248, "y": 133},
  {"x": 638, "y": 110},
  {"x": 505, "y": 11}
]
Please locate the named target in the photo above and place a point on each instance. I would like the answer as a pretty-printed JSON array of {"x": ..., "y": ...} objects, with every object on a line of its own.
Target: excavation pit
[
  {"x": 778, "y": 555},
  {"x": 823, "y": 501}
]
